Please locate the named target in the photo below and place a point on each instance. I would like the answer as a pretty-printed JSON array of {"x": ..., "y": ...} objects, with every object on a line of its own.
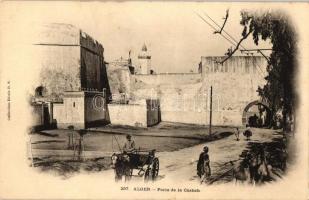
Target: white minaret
[{"x": 144, "y": 61}]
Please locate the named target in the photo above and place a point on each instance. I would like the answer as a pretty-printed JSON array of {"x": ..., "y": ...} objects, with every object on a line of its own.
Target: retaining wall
[{"x": 126, "y": 114}]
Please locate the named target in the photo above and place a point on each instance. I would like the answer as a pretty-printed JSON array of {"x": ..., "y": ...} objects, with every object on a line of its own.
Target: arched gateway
[
  {"x": 235, "y": 84},
  {"x": 263, "y": 107}
]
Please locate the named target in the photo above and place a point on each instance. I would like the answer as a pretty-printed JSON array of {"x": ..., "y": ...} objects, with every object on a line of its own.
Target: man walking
[{"x": 203, "y": 165}]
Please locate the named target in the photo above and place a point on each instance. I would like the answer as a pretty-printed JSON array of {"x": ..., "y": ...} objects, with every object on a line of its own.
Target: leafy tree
[{"x": 279, "y": 91}]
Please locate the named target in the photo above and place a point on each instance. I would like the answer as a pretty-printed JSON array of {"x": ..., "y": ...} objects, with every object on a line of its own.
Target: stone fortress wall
[
  {"x": 70, "y": 60},
  {"x": 185, "y": 97},
  {"x": 72, "y": 70}
]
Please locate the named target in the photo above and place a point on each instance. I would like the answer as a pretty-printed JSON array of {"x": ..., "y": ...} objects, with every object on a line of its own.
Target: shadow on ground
[
  {"x": 275, "y": 153},
  {"x": 67, "y": 167}
]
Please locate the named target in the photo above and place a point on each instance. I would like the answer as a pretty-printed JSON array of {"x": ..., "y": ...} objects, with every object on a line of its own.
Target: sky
[{"x": 175, "y": 36}]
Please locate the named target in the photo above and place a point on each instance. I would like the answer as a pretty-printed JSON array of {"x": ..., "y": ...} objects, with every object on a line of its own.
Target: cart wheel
[{"x": 155, "y": 168}]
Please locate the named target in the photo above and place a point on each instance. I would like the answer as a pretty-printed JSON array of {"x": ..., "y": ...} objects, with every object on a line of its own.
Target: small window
[
  {"x": 73, "y": 104},
  {"x": 40, "y": 91}
]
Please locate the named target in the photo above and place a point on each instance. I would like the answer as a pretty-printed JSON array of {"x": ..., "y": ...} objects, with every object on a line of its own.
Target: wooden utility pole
[{"x": 210, "y": 111}]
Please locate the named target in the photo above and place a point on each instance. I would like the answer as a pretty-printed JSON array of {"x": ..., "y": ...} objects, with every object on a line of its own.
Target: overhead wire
[
  {"x": 214, "y": 28},
  {"x": 224, "y": 31},
  {"x": 260, "y": 71}
]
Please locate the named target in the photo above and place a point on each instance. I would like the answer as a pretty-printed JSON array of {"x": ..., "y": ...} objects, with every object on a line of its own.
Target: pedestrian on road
[
  {"x": 203, "y": 165},
  {"x": 237, "y": 134},
  {"x": 247, "y": 133}
]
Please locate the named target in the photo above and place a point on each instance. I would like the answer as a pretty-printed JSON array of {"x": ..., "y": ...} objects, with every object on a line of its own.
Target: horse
[
  {"x": 252, "y": 169},
  {"x": 240, "y": 172},
  {"x": 121, "y": 166},
  {"x": 264, "y": 170},
  {"x": 246, "y": 170}
]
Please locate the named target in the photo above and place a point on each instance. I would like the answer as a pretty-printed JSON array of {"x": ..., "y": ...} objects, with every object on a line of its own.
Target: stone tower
[{"x": 144, "y": 62}]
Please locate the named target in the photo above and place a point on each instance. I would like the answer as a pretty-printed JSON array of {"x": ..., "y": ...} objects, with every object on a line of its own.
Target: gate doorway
[{"x": 256, "y": 114}]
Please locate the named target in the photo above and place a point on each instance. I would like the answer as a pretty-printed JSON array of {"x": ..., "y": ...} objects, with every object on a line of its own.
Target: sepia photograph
[{"x": 153, "y": 100}]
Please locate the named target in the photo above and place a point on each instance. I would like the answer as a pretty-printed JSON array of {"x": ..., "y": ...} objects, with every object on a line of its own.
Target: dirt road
[{"x": 181, "y": 165}]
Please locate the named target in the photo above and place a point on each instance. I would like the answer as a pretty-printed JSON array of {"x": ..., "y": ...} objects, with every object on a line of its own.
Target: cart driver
[{"x": 129, "y": 145}]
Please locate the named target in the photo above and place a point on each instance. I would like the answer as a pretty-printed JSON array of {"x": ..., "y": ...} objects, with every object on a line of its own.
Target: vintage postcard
[{"x": 154, "y": 100}]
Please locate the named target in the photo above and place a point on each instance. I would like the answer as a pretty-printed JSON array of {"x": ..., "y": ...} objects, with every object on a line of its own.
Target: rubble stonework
[{"x": 71, "y": 62}]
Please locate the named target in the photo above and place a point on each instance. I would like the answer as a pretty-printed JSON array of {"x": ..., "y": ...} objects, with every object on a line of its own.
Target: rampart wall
[{"x": 185, "y": 98}]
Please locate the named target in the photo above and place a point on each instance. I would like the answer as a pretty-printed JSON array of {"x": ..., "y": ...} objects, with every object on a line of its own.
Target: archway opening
[
  {"x": 256, "y": 114},
  {"x": 40, "y": 91}
]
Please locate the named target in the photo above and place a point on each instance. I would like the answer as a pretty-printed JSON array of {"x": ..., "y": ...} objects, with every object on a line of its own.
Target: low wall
[
  {"x": 42, "y": 116},
  {"x": 126, "y": 114},
  {"x": 95, "y": 110},
  {"x": 81, "y": 110},
  {"x": 58, "y": 110},
  {"x": 71, "y": 111},
  {"x": 61, "y": 120},
  {"x": 186, "y": 117},
  {"x": 37, "y": 115}
]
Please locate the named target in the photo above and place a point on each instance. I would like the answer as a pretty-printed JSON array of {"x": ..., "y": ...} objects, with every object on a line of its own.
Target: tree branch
[
  {"x": 231, "y": 51},
  {"x": 225, "y": 19},
  {"x": 264, "y": 56}
]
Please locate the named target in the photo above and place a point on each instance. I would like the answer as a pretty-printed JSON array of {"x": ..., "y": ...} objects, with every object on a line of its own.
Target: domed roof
[{"x": 144, "y": 48}]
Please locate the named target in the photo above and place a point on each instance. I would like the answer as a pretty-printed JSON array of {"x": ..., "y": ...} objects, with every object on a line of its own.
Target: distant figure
[
  {"x": 247, "y": 133},
  {"x": 253, "y": 121},
  {"x": 71, "y": 143},
  {"x": 237, "y": 134},
  {"x": 80, "y": 147},
  {"x": 129, "y": 145},
  {"x": 203, "y": 165}
]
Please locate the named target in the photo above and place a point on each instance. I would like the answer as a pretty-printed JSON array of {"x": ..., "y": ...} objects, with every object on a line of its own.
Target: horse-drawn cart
[{"x": 145, "y": 162}]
